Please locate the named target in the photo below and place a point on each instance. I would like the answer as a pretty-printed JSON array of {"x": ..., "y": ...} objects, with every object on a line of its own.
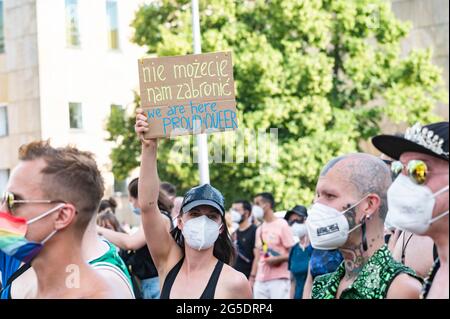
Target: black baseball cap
[
  {"x": 298, "y": 210},
  {"x": 203, "y": 195},
  {"x": 430, "y": 139}
]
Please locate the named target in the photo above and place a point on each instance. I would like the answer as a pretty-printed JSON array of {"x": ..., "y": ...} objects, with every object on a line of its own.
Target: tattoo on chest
[{"x": 355, "y": 263}]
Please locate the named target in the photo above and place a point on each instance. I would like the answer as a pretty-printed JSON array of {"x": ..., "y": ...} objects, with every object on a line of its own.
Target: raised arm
[
  {"x": 161, "y": 244},
  {"x": 122, "y": 240}
]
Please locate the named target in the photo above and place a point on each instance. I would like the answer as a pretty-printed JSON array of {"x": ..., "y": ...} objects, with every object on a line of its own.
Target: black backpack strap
[{"x": 18, "y": 273}]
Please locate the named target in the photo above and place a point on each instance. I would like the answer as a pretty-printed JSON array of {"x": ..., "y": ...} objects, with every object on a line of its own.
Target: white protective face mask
[
  {"x": 201, "y": 232},
  {"x": 299, "y": 230},
  {"x": 235, "y": 216},
  {"x": 411, "y": 205},
  {"x": 328, "y": 228},
  {"x": 388, "y": 224},
  {"x": 258, "y": 212}
]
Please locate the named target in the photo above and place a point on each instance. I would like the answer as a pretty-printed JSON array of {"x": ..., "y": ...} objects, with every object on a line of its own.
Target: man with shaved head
[{"x": 348, "y": 214}]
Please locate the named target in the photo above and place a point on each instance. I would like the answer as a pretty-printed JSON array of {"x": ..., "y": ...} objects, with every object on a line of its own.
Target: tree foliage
[{"x": 324, "y": 72}]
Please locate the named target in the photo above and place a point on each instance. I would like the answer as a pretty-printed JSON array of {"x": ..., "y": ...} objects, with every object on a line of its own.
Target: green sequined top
[
  {"x": 429, "y": 280},
  {"x": 372, "y": 282}
]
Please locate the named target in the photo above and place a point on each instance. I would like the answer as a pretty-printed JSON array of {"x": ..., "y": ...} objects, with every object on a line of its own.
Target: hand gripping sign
[{"x": 189, "y": 94}]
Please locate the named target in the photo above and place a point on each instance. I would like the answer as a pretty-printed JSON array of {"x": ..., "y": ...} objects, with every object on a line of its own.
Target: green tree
[{"x": 324, "y": 72}]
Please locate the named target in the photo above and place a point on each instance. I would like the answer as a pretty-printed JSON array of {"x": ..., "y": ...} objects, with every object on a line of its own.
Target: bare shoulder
[
  {"x": 105, "y": 290},
  {"x": 233, "y": 285},
  {"x": 118, "y": 283},
  {"x": 404, "y": 286}
]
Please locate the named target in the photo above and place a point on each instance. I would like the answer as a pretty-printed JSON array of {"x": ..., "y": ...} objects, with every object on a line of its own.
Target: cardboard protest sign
[{"x": 188, "y": 94}]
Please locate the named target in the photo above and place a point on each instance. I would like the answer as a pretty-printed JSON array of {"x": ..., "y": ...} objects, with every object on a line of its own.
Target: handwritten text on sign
[{"x": 188, "y": 94}]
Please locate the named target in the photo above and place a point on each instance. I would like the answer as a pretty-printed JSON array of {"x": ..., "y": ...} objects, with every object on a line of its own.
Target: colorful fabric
[
  {"x": 12, "y": 238},
  {"x": 324, "y": 261},
  {"x": 372, "y": 282}
]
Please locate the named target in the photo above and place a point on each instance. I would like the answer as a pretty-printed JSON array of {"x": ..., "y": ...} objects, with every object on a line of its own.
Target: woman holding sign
[{"x": 192, "y": 261}]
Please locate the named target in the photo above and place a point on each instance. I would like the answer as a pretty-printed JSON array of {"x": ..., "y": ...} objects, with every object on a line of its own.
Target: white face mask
[
  {"x": 257, "y": 212},
  {"x": 411, "y": 205},
  {"x": 201, "y": 232},
  {"x": 327, "y": 227},
  {"x": 299, "y": 230},
  {"x": 388, "y": 224},
  {"x": 235, "y": 216}
]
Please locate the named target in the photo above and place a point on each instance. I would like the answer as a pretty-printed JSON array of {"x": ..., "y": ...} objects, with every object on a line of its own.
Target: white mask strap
[
  {"x": 48, "y": 237},
  {"x": 45, "y": 214},
  {"x": 354, "y": 228},
  {"x": 356, "y": 204},
  {"x": 442, "y": 190},
  {"x": 438, "y": 217}
]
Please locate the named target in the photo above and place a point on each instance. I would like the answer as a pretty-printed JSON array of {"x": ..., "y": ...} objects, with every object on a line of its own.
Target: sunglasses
[
  {"x": 417, "y": 170},
  {"x": 9, "y": 200}
]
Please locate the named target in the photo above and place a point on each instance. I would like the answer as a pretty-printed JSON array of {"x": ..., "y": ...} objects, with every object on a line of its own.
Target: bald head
[{"x": 362, "y": 174}]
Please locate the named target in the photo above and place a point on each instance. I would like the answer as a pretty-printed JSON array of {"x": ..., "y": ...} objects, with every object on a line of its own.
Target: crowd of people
[{"x": 377, "y": 228}]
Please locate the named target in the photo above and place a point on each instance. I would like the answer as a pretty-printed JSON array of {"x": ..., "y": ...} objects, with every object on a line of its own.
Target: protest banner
[{"x": 189, "y": 94}]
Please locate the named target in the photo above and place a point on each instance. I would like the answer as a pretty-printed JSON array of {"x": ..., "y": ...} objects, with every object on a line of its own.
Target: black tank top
[{"x": 210, "y": 289}]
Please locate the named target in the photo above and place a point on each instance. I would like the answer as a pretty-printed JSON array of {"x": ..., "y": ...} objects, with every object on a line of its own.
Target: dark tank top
[{"x": 210, "y": 289}]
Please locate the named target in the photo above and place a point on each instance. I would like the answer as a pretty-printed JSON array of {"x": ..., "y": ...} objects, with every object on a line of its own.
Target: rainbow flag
[{"x": 12, "y": 238}]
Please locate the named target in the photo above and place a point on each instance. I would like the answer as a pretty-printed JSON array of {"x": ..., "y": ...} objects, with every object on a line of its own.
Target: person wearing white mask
[
  {"x": 257, "y": 215},
  {"x": 410, "y": 249},
  {"x": 273, "y": 241},
  {"x": 300, "y": 253},
  {"x": 193, "y": 260},
  {"x": 348, "y": 213},
  {"x": 418, "y": 198},
  {"x": 244, "y": 236}
]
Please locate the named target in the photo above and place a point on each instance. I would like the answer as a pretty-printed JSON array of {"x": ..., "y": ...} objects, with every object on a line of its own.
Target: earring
[{"x": 363, "y": 231}]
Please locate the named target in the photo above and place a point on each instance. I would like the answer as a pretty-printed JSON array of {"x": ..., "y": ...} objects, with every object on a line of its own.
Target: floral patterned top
[{"x": 372, "y": 282}]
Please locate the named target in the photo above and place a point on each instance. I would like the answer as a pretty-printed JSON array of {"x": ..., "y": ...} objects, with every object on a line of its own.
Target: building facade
[{"x": 63, "y": 65}]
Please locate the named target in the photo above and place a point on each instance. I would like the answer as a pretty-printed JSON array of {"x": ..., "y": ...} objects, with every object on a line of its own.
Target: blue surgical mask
[{"x": 135, "y": 210}]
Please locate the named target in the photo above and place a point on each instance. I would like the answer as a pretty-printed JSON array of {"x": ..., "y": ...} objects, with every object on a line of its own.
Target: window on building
[
  {"x": 76, "y": 115},
  {"x": 2, "y": 36},
  {"x": 113, "y": 24},
  {"x": 4, "y": 176},
  {"x": 3, "y": 121},
  {"x": 72, "y": 27}
]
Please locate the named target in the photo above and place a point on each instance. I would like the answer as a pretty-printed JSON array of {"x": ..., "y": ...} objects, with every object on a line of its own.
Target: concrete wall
[
  {"x": 92, "y": 75},
  {"x": 3, "y": 80},
  {"x": 430, "y": 19},
  {"x": 19, "y": 78},
  {"x": 40, "y": 75}
]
